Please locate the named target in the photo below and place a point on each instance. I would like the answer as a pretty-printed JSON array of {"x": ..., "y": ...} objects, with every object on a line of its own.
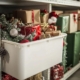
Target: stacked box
[
  {"x": 58, "y": 12},
  {"x": 44, "y": 18},
  {"x": 75, "y": 11},
  {"x": 29, "y": 16},
  {"x": 73, "y": 48},
  {"x": 72, "y": 27},
  {"x": 63, "y": 23}
]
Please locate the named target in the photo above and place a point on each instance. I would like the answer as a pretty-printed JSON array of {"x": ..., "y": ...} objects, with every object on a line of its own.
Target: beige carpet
[{"x": 75, "y": 76}]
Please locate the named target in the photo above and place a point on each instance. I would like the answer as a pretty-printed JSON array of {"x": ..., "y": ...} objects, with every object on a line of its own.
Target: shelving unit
[{"x": 47, "y": 5}]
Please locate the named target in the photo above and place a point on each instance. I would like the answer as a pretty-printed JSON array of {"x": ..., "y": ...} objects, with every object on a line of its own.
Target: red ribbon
[{"x": 32, "y": 16}]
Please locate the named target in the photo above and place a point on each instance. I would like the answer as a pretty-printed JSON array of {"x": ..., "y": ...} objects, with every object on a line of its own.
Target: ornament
[
  {"x": 21, "y": 36},
  {"x": 13, "y": 32},
  {"x": 3, "y": 51},
  {"x": 24, "y": 41},
  {"x": 52, "y": 18}
]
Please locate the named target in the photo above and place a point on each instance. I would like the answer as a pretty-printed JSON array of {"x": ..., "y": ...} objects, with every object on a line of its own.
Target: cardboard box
[
  {"x": 44, "y": 18},
  {"x": 36, "y": 77},
  {"x": 72, "y": 11},
  {"x": 75, "y": 11},
  {"x": 29, "y": 16},
  {"x": 58, "y": 12},
  {"x": 73, "y": 24},
  {"x": 79, "y": 21}
]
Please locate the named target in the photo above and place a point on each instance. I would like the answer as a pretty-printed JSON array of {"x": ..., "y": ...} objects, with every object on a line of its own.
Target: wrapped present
[
  {"x": 72, "y": 11},
  {"x": 72, "y": 22},
  {"x": 36, "y": 77},
  {"x": 73, "y": 49},
  {"x": 75, "y": 11},
  {"x": 44, "y": 16},
  {"x": 79, "y": 21},
  {"x": 29, "y": 16},
  {"x": 63, "y": 23},
  {"x": 58, "y": 12},
  {"x": 31, "y": 31}
]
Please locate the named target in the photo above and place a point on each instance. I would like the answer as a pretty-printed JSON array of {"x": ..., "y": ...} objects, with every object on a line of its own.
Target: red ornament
[
  {"x": 53, "y": 14},
  {"x": 24, "y": 41}
]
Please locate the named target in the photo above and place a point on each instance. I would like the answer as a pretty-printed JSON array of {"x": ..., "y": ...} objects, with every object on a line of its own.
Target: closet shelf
[
  {"x": 33, "y": 2},
  {"x": 7, "y": 3},
  {"x": 56, "y": 2}
]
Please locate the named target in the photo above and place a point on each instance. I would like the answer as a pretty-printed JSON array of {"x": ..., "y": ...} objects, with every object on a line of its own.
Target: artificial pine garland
[{"x": 64, "y": 61}]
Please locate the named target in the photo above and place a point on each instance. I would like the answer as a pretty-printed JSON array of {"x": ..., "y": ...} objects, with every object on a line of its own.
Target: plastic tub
[{"x": 28, "y": 59}]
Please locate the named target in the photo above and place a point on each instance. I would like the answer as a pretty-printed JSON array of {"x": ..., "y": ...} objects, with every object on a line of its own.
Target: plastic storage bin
[{"x": 25, "y": 60}]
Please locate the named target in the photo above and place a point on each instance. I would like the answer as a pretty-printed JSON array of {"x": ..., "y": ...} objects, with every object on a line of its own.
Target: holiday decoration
[
  {"x": 7, "y": 77},
  {"x": 36, "y": 77},
  {"x": 9, "y": 29},
  {"x": 29, "y": 16},
  {"x": 64, "y": 56},
  {"x": 24, "y": 41},
  {"x": 73, "y": 49},
  {"x": 63, "y": 23},
  {"x": 52, "y": 18},
  {"x": 44, "y": 16},
  {"x": 57, "y": 72},
  {"x": 32, "y": 33},
  {"x": 13, "y": 32},
  {"x": 58, "y": 12},
  {"x": 73, "y": 21}
]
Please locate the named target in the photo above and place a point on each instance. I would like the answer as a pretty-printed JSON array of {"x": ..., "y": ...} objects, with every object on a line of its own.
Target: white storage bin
[{"x": 25, "y": 60}]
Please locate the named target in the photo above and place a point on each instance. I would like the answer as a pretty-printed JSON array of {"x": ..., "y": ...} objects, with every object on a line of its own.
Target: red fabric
[
  {"x": 32, "y": 16},
  {"x": 53, "y": 14},
  {"x": 28, "y": 30}
]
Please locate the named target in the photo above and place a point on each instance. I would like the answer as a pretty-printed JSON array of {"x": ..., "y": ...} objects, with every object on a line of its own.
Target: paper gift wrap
[
  {"x": 58, "y": 12},
  {"x": 75, "y": 11},
  {"x": 73, "y": 22},
  {"x": 63, "y": 23},
  {"x": 73, "y": 48},
  {"x": 29, "y": 16},
  {"x": 44, "y": 18},
  {"x": 79, "y": 21}
]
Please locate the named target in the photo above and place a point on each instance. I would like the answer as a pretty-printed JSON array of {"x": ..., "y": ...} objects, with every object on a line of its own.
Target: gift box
[
  {"x": 73, "y": 48},
  {"x": 75, "y": 11},
  {"x": 72, "y": 22},
  {"x": 36, "y": 77},
  {"x": 29, "y": 16},
  {"x": 26, "y": 30},
  {"x": 72, "y": 11},
  {"x": 63, "y": 23},
  {"x": 58, "y": 12},
  {"x": 44, "y": 18}
]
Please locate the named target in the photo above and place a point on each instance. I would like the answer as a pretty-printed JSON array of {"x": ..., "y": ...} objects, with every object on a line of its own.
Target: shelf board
[
  {"x": 7, "y": 2},
  {"x": 56, "y": 2},
  {"x": 71, "y": 72}
]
